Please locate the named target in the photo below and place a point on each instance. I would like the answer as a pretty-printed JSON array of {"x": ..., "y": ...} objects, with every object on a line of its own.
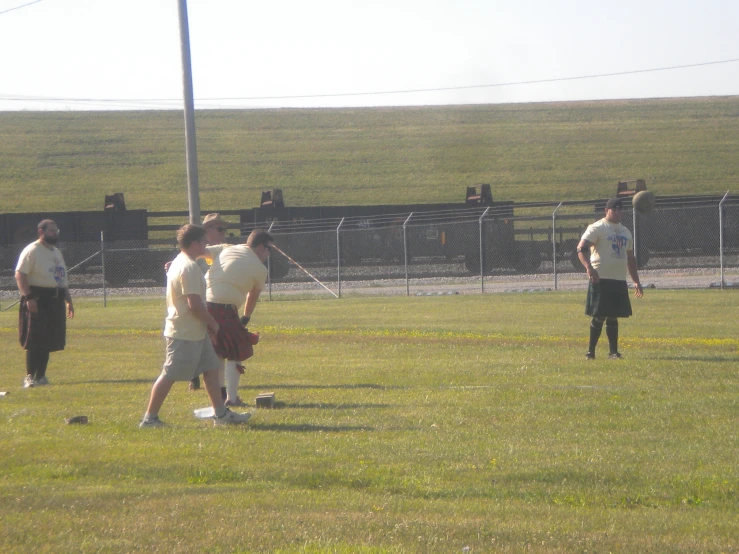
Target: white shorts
[{"x": 186, "y": 359}]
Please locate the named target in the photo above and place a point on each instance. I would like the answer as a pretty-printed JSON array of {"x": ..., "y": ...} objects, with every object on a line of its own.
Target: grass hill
[{"x": 546, "y": 151}]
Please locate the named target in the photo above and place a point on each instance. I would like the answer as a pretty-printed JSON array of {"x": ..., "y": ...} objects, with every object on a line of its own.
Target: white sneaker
[
  {"x": 42, "y": 381},
  {"x": 153, "y": 421},
  {"x": 230, "y": 418},
  {"x": 28, "y": 382}
]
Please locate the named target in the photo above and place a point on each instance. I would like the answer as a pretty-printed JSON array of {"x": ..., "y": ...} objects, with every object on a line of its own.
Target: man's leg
[
  {"x": 612, "y": 334},
  {"x": 232, "y": 382},
  {"x": 222, "y": 378},
  {"x": 159, "y": 393},
  {"x": 42, "y": 362},
  {"x": 213, "y": 388},
  {"x": 596, "y": 327}
]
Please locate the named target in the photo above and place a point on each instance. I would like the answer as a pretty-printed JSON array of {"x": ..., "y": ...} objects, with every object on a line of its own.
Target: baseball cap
[
  {"x": 211, "y": 219},
  {"x": 615, "y": 204}
]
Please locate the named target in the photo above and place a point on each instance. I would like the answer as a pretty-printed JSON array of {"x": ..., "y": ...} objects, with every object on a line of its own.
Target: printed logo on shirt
[
  {"x": 618, "y": 245},
  {"x": 58, "y": 272}
]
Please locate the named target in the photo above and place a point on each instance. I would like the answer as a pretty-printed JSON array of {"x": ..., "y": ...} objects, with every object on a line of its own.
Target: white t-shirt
[
  {"x": 44, "y": 266},
  {"x": 610, "y": 243},
  {"x": 184, "y": 277},
  {"x": 235, "y": 272}
]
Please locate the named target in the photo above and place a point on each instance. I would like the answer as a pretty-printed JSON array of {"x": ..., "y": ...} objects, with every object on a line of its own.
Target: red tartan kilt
[{"x": 233, "y": 341}]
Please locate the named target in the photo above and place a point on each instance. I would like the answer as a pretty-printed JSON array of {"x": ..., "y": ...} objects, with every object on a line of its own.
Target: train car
[{"x": 483, "y": 234}]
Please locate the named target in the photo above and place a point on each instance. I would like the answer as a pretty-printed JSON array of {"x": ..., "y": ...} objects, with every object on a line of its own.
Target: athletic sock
[
  {"x": 220, "y": 412},
  {"x": 596, "y": 327},
  {"x": 232, "y": 380},
  {"x": 612, "y": 334}
]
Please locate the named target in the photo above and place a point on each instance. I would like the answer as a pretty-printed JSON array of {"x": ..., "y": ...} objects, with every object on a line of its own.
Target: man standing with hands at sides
[
  {"x": 607, "y": 252},
  {"x": 41, "y": 275},
  {"x": 237, "y": 276},
  {"x": 188, "y": 330}
]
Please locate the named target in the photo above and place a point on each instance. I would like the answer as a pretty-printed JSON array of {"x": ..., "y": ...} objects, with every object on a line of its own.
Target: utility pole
[{"x": 193, "y": 190}]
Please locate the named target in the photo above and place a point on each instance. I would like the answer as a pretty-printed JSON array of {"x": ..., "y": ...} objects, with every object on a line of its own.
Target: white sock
[{"x": 232, "y": 380}]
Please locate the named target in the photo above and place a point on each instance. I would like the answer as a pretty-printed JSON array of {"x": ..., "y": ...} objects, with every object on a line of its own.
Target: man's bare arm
[
  {"x": 634, "y": 273},
  {"x": 195, "y": 303}
]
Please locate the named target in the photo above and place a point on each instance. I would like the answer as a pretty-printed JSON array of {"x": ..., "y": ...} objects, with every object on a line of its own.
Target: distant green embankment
[{"x": 552, "y": 151}]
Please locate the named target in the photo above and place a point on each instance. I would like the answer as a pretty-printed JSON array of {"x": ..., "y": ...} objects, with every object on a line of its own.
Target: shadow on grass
[
  {"x": 109, "y": 382},
  {"x": 327, "y": 406},
  {"x": 308, "y": 428},
  {"x": 266, "y": 386},
  {"x": 694, "y": 358}
]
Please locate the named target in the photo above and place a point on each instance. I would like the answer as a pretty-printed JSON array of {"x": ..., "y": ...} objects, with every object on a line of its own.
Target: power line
[
  {"x": 374, "y": 93},
  {"x": 19, "y": 7},
  {"x": 509, "y": 84}
]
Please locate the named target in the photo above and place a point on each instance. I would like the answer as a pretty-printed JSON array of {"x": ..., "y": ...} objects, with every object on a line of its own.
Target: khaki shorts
[{"x": 186, "y": 359}]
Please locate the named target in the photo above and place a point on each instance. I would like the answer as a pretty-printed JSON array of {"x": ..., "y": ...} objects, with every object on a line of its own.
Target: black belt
[
  {"x": 47, "y": 292},
  {"x": 216, "y": 304}
]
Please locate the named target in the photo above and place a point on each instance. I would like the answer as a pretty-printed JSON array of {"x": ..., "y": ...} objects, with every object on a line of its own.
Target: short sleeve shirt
[
  {"x": 44, "y": 266},
  {"x": 183, "y": 278},
  {"x": 610, "y": 243},
  {"x": 211, "y": 254},
  {"x": 235, "y": 272}
]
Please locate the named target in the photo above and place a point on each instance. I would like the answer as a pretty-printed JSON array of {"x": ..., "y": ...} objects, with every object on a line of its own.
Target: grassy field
[
  {"x": 444, "y": 424},
  {"x": 543, "y": 152}
]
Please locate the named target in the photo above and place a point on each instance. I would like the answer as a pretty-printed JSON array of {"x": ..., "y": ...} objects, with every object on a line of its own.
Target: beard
[{"x": 50, "y": 240}]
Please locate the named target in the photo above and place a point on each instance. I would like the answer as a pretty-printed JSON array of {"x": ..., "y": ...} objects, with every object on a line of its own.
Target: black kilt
[
  {"x": 608, "y": 298},
  {"x": 47, "y": 329}
]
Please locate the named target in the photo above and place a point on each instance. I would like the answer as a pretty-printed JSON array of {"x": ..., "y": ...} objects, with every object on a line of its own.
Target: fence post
[
  {"x": 102, "y": 265},
  {"x": 554, "y": 244},
  {"x": 482, "y": 251},
  {"x": 405, "y": 253},
  {"x": 721, "y": 236},
  {"x": 338, "y": 255}
]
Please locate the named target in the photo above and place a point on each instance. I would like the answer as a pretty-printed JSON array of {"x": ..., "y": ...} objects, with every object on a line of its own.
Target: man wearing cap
[
  {"x": 215, "y": 233},
  {"x": 606, "y": 249}
]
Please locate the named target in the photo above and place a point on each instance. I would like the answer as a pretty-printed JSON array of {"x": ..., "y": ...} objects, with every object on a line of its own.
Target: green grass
[
  {"x": 404, "y": 425},
  {"x": 527, "y": 152}
]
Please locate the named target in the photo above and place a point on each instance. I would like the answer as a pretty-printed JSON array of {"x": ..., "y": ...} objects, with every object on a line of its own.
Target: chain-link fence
[{"x": 678, "y": 245}]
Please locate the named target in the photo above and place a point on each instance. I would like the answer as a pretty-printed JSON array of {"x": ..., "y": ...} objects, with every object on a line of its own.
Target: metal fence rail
[{"x": 472, "y": 250}]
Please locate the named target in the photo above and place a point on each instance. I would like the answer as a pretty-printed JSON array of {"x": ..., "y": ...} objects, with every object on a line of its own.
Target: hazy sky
[{"x": 126, "y": 54}]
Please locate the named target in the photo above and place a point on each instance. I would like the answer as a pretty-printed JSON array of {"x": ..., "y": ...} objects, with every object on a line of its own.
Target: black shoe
[
  {"x": 614, "y": 356},
  {"x": 195, "y": 384},
  {"x": 590, "y": 356}
]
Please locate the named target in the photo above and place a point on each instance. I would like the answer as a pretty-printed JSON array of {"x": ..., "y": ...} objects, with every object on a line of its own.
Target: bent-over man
[
  {"x": 41, "y": 275},
  {"x": 237, "y": 276}
]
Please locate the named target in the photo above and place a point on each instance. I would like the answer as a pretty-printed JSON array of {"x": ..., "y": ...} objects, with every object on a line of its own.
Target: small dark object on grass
[
  {"x": 266, "y": 400},
  {"x": 76, "y": 419}
]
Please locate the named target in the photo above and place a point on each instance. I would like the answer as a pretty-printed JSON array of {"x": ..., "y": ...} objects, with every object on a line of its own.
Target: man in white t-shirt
[
  {"x": 188, "y": 330},
  {"x": 606, "y": 249},
  {"x": 41, "y": 275},
  {"x": 237, "y": 276}
]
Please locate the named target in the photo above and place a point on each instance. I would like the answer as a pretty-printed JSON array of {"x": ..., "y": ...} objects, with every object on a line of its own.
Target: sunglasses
[{"x": 221, "y": 229}]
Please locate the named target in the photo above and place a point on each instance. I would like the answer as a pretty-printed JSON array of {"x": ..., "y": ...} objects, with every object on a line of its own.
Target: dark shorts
[{"x": 608, "y": 298}]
